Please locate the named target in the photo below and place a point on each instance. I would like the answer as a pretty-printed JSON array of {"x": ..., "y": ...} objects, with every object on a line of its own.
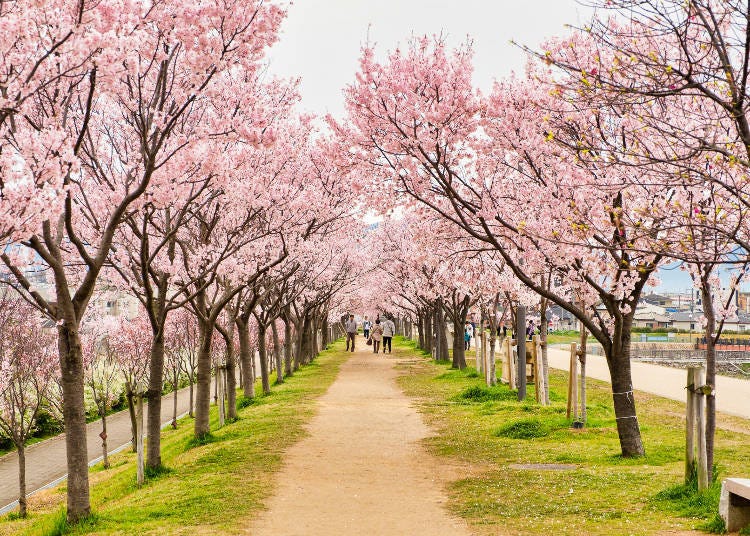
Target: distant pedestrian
[
  {"x": 351, "y": 332},
  {"x": 467, "y": 338},
  {"x": 389, "y": 330},
  {"x": 376, "y": 334},
  {"x": 470, "y": 331},
  {"x": 530, "y": 330},
  {"x": 366, "y": 325}
]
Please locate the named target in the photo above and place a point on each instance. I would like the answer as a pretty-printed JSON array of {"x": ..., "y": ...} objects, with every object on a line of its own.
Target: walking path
[
  {"x": 45, "y": 461},
  {"x": 362, "y": 469},
  {"x": 732, "y": 394}
]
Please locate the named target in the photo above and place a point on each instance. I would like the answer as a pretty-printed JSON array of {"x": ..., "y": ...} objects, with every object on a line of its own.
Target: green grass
[
  {"x": 482, "y": 431},
  {"x": 210, "y": 486}
]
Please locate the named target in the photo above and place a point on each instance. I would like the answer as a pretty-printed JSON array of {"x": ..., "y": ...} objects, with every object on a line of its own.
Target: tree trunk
[
  {"x": 306, "y": 350},
  {"x": 442, "y": 335},
  {"x": 153, "y": 395},
  {"x": 324, "y": 329},
  {"x": 203, "y": 385},
  {"x": 297, "y": 344},
  {"x": 174, "y": 405},
  {"x": 263, "y": 355},
  {"x": 708, "y": 312},
  {"x": 219, "y": 375},
  {"x": 105, "y": 454},
  {"x": 288, "y": 345},
  {"x": 428, "y": 338},
  {"x": 21, "y": 450},
  {"x": 192, "y": 404},
  {"x": 618, "y": 361},
  {"x": 582, "y": 359},
  {"x": 420, "y": 330},
  {"x": 246, "y": 358},
  {"x": 139, "y": 441},
  {"x": 277, "y": 354},
  {"x": 313, "y": 337},
  {"x": 231, "y": 373},
  {"x": 543, "y": 338},
  {"x": 131, "y": 411},
  {"x": 74, "y": 419},
  {"x": 458, "y": 314}
]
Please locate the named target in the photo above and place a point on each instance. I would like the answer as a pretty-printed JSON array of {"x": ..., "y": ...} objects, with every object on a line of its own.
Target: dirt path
[
  {"x": 362, "y": 469},
  {"x": 45, "y": 461}
]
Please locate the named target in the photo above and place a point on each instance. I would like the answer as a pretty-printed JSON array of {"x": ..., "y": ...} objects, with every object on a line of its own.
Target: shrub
[
  {"x": 476, "y": 393},
  {"x": 523, "y": 429},
  {"x": 47, "y": 424},
  {"x": 244, "y": 402}
]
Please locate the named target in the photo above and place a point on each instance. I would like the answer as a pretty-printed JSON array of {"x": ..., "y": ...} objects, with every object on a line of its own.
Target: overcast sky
[{"x": 321, "y": 39}]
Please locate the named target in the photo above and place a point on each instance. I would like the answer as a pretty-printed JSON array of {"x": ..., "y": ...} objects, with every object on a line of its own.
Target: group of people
[
  {"x": 381, "y": 331},
  {"x": 469, "y": 329}
]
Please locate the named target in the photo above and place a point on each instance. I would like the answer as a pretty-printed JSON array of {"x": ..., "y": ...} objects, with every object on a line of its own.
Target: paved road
[
  {"x": 45, "y": 461},
  {"x": 732, "y": 394}
]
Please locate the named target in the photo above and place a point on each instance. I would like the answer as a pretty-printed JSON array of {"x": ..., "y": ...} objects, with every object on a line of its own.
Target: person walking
[
  {"x": 530, "y": 330},
  {"x": 351, "y": 332},
  {"x": 366, "y": 325},
  {"x": 470, "y": 331},
  {"x": 389, "y": 330},
  {"x": 376, "y": 334}
]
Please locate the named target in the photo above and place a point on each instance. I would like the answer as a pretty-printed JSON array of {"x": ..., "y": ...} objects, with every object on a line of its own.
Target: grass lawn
[
  {"x": 563, "y": 338},
  {"x": 209, "y": 489},
  {"x": 484, "y": 431}
]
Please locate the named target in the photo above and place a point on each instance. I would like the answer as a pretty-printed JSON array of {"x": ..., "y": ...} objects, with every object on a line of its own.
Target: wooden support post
[
  {"x": 690, "y": 426},
  {"x": 504, "y": 361},
  {"x": 572, "y": 410},
  {"x": 700, "y": 431},
  {"x": 512, "y": 369},
  {"x": 538, "y": 371},
  {"x": 492, "y": 363},
  {"x": 486, "y": 359},
  {"x": 477, "y": 355}
]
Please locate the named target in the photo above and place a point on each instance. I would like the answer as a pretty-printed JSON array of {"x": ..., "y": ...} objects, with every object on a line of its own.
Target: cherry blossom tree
[
  {"x": 496, "y": 169},
  {"x": 149, "y": 70},
  {"x": 675, "y": 75},
  {"x": 131, "y": 343},
  {"x": 27, "y": 369},
  {"x": 102, "y": 372}
]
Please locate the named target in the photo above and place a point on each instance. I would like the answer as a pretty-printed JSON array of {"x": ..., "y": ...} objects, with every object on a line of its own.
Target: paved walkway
[
  {"x": 362, "y": 469},
  {"x": 45, "y": 461},
  {"x": 732, "y": 394}
]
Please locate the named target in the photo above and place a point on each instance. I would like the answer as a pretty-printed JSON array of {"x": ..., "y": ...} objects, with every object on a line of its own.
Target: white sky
[{"x": 321, "y": 39}]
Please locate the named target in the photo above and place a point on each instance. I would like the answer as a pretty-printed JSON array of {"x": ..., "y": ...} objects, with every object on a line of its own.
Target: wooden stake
[
  {"x": 690, "y": 425},
  {"x": 512, "y": 383},
  {"x": 538, "y": 371},
  {"x": 485, "y": 359},
  {"x": 573, "y": 383},
  {"x": 700, "y": 420}
]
